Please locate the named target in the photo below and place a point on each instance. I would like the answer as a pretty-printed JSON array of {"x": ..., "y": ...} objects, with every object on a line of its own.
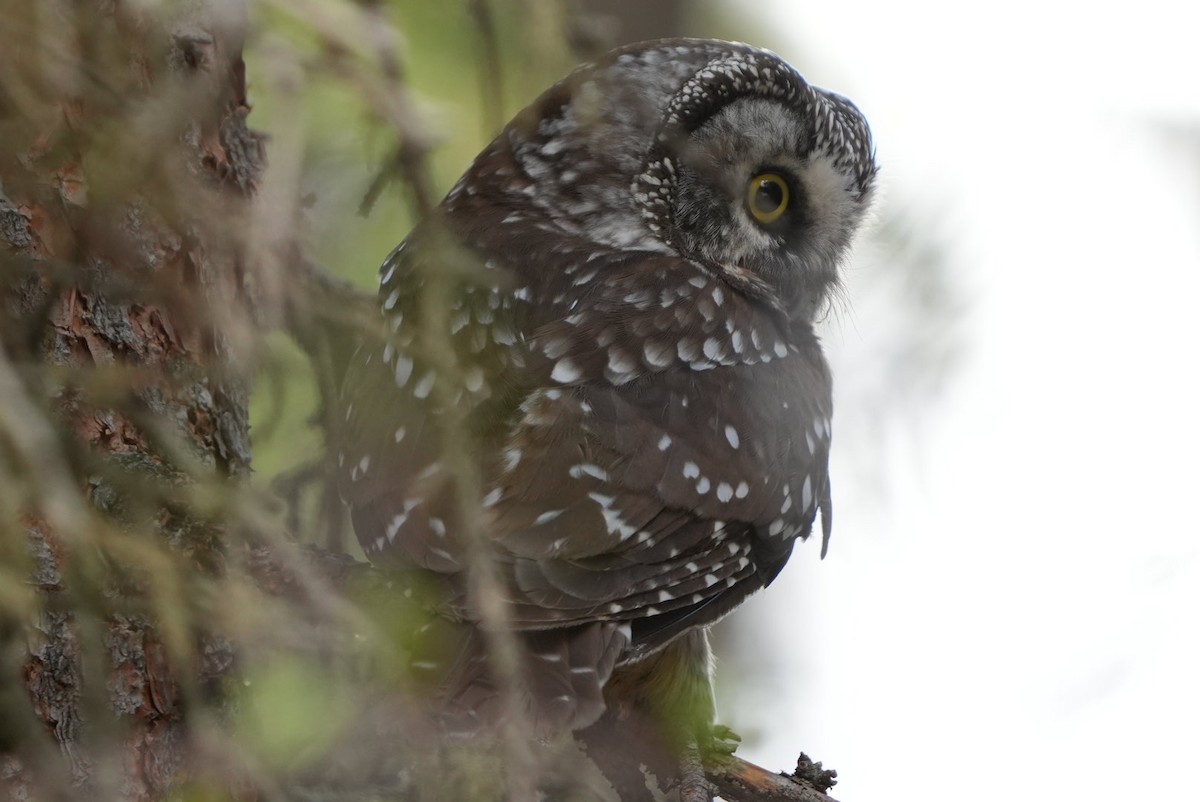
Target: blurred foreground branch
[{"x": 735, "y": 779}]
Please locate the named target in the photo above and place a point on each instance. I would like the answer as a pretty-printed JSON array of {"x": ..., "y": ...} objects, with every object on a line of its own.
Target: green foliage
[{"x": 290, "y": 712}]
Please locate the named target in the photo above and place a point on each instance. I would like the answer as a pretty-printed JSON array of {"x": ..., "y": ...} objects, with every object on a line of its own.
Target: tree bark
[{"x": 126, "y": 164}]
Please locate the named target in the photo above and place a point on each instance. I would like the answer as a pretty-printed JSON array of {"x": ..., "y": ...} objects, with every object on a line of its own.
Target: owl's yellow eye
[{"x": 767, "y": 197}]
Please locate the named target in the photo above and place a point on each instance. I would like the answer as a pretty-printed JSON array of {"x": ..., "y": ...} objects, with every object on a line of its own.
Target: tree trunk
[{"x": 125, "y": 166}]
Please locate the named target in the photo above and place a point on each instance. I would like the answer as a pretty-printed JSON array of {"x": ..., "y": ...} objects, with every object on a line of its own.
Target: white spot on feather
[
  {"x": 395, "y": 525},
  {"x": 473, "y": 379},
  {"x": 731, "y": 434},
  {"x": 620, "y": 361},
  {"x": 424, "y": 385},
  {"x": 547, "y": 517},
  {"x": 512, "y": 458},
  {"x": 404, "y": 368},
  {"x": 565, "y": 371},
  {"x": 658, "y": 354},
  {"x": 588, "y": 469}
]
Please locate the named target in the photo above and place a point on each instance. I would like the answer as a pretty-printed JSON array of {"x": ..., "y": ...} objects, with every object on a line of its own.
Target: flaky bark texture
[{"x": 124, "y": 163}]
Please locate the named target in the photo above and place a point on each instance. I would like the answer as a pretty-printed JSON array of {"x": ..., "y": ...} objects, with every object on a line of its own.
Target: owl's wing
[
  {"x": 652, "y": 442},
  {"x": 677, "y": 448},
  {"x": 450, "y": 343},
  {"x": 405, "y": 503}
]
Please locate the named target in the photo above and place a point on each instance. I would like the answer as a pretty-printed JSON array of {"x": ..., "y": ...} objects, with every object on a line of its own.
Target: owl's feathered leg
[{"x": 659, "y": 719}]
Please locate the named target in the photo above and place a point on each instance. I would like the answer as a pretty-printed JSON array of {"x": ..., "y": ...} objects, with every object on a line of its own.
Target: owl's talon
[{"x": 718, "y": 744}]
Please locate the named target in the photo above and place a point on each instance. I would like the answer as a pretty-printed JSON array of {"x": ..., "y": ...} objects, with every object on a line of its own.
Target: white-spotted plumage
[{"x": 642, "y": 385}]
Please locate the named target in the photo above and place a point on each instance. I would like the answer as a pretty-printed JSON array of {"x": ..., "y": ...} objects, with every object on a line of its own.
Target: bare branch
[{"x": 739, "y": 780}]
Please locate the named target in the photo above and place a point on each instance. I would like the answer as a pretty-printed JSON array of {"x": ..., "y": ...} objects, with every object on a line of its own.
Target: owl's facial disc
[{"x": 755, "y": 193}]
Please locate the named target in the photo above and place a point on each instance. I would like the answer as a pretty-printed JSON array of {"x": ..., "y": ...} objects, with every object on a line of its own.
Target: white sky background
[{"x": 1011, "y": 605}]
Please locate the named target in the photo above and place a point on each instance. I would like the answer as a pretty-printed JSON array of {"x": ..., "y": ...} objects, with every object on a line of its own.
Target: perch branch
[{"x": 738, "y": 780}]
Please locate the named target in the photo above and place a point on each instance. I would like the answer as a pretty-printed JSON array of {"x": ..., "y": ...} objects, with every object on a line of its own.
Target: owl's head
[{"x": 716, "y": 152}]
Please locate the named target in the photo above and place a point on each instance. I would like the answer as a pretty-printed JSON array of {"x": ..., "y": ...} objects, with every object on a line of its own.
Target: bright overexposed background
[{"x": 1011, "y": 604}]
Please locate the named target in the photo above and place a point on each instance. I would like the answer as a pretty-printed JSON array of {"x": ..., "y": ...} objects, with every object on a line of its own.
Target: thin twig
[
  {"x": 409, "y": 158},
  {"x": 491, "y": 74}
]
